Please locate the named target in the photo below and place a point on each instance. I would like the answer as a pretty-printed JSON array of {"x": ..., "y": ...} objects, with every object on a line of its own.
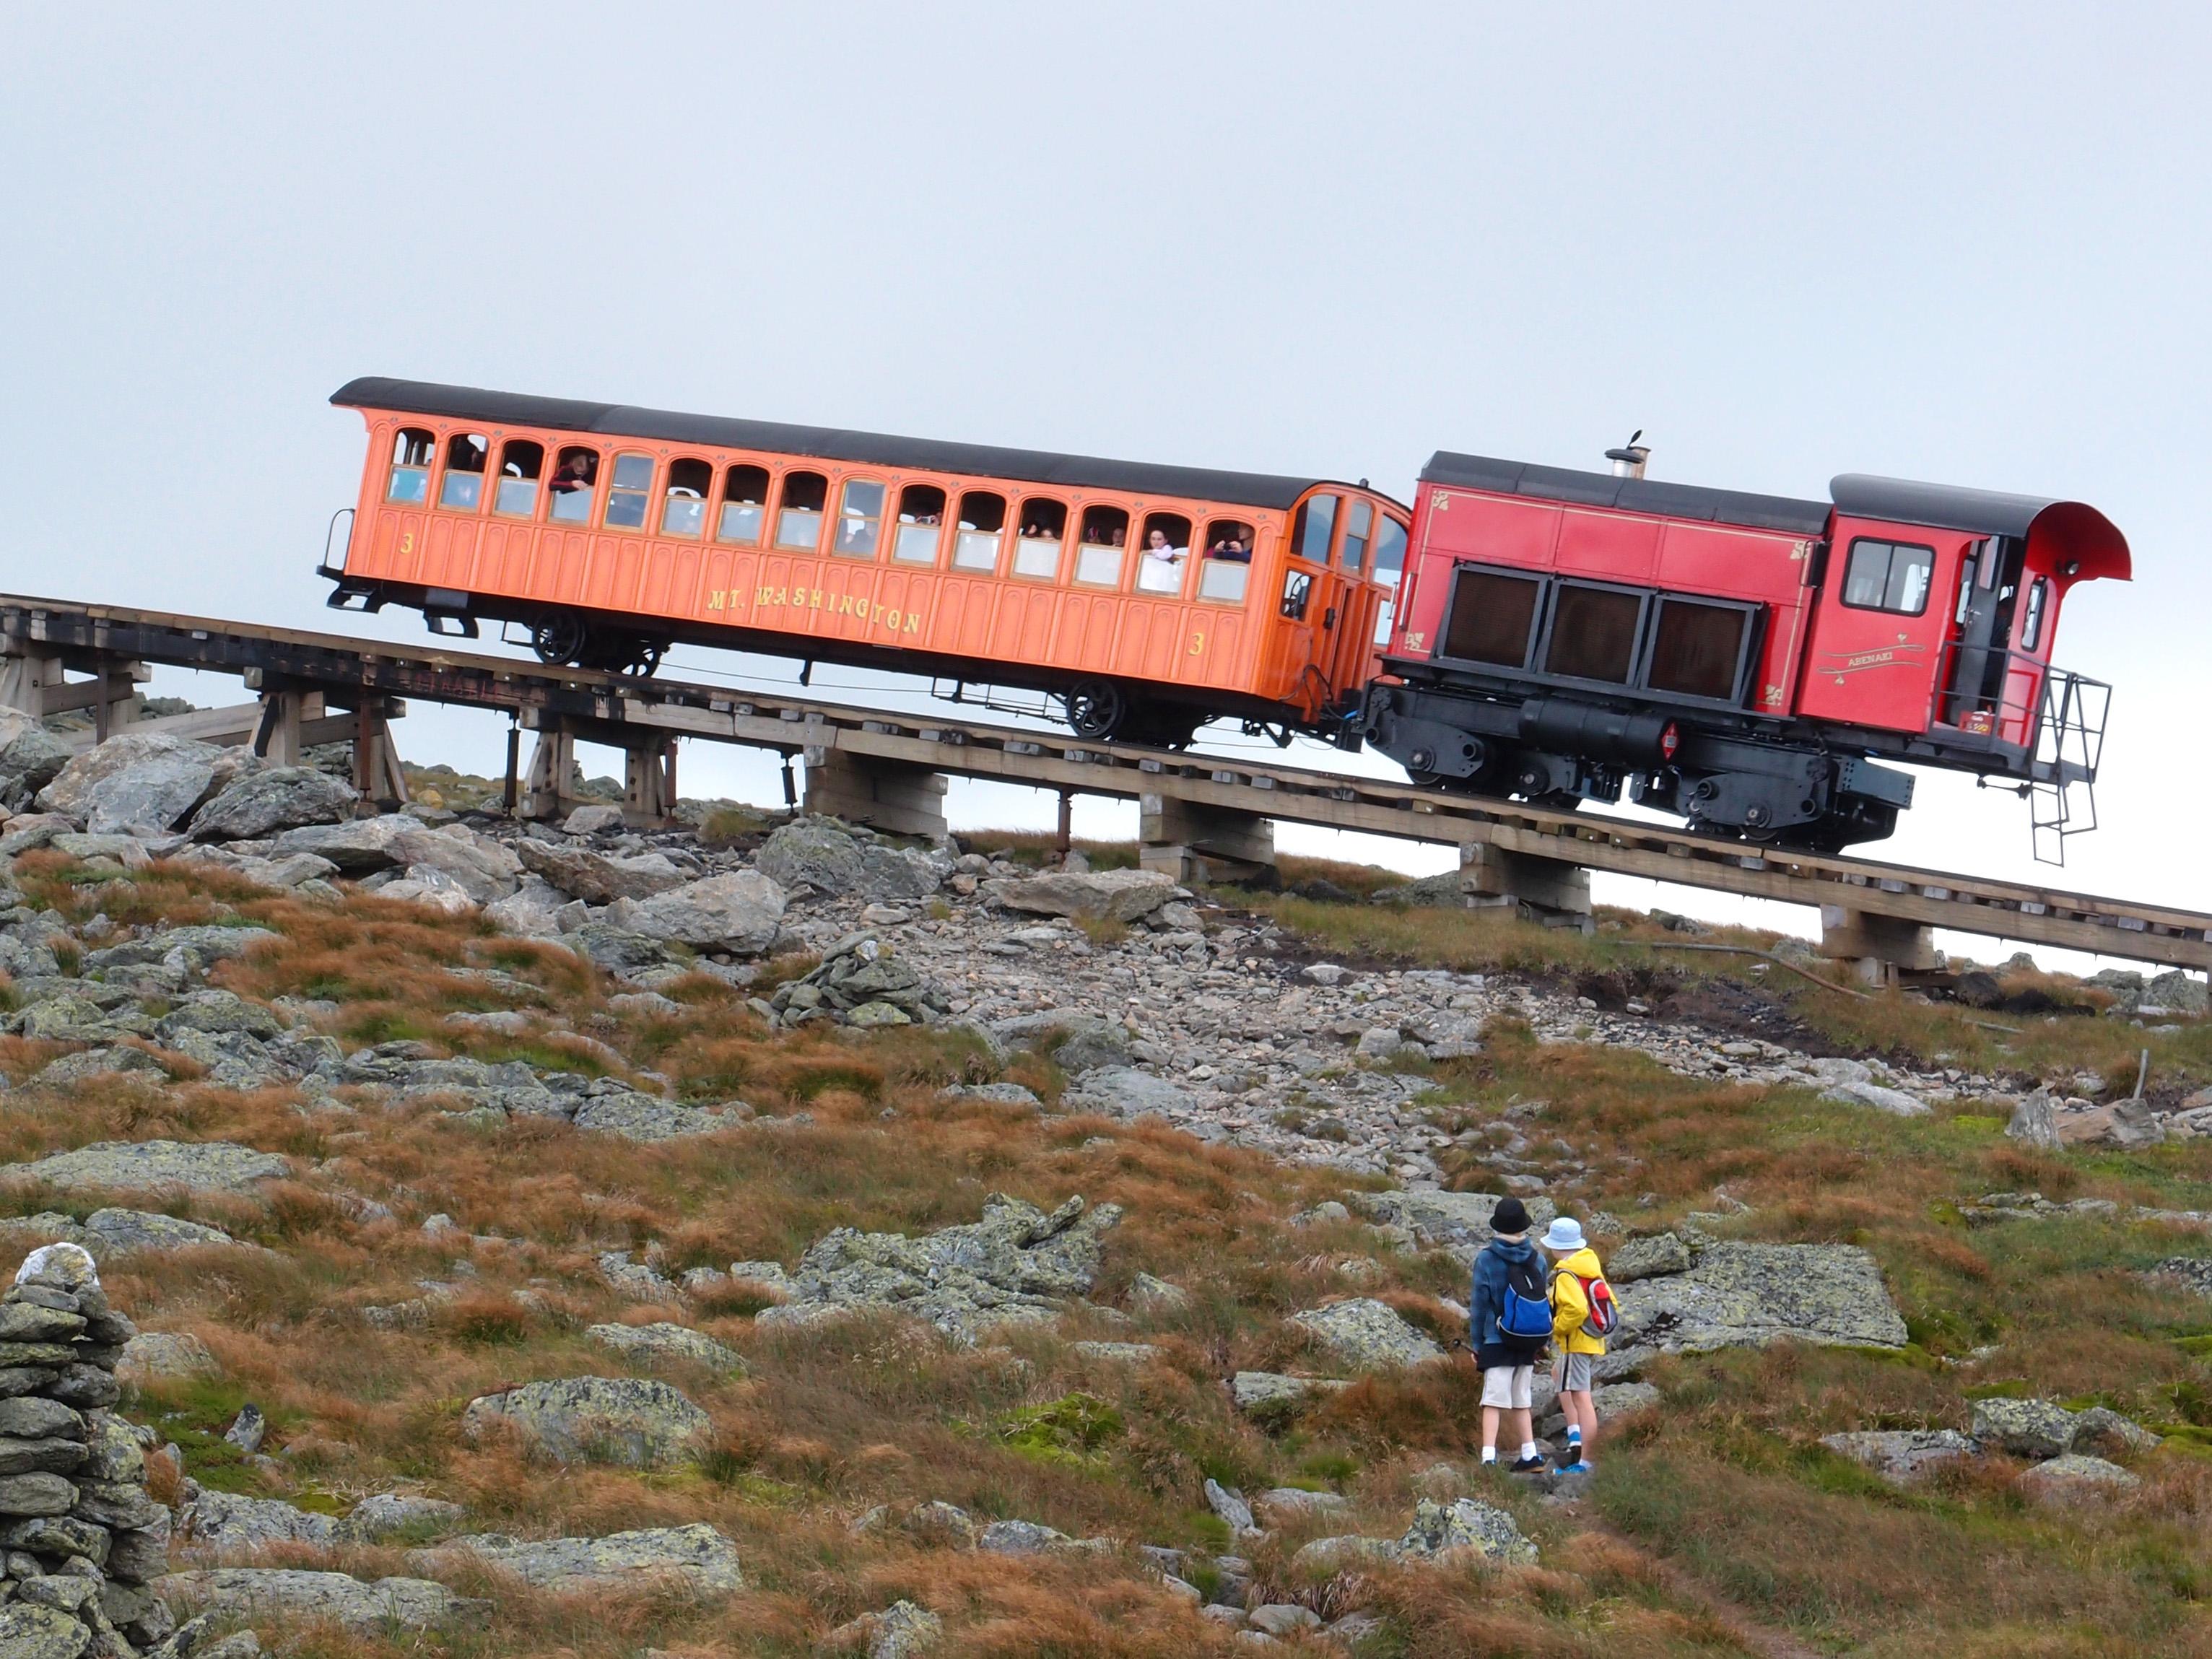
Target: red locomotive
[{"x": 1738, "y": 660}]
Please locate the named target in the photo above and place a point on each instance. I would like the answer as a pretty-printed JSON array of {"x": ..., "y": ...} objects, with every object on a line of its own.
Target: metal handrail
[{"x": 330, "y": 534}]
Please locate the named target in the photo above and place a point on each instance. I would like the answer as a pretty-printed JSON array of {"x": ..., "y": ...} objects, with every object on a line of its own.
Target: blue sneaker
[{"x": 1576, "y": 1467}]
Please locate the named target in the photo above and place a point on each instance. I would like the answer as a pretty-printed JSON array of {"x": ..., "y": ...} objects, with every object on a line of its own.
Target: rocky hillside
[{"x": 569, "y": 1240}]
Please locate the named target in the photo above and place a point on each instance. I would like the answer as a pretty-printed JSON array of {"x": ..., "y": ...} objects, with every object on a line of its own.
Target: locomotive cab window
[
  {"x": 1037, "y": 550},
  {"x": 1314, "y": 527},
  {"x": 745, "y": 506},
  {"x": 1358, "y": 531},
  {"x": 983, "y": 523},
  {"x": 575, "y": 474},
  {"x": 410, "y": 466},
  {"x": 1163, "y": 553},
  {"x": 519, "y": 464},
  {"x": 1105, "y": 541},
  {"x": 1297, "y": 590},
  {"x": 1594, "y": 633},
  {"x": 2031, "y": 624},
  {"x": 799, "y": 521},
  {"x": 1696, "y": 650},
  {"x": 1892, "y": 576},
  {"x": 463, "y": 489},
  {"x": 1389, "y": 566},
  {"x": 632, "y": 490},
  {"x": 1226, "y": 570},
  {"x": 683, "y": 508},
  {"x": 1493, "y": 615},
  {"x": 922, "y": 522},
  {"x": 860, "y": 519}
]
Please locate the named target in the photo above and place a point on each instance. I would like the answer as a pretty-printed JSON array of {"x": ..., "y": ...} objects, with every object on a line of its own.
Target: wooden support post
[
  {"x": 1540, "y": 890},
  {"x": 1195, "y": 843},
  {"x": 649, "y": 791},
  {"x": 895, "y": 796},
  {"x": 277, "y": 735},
  {"x": 1879, "y": 948},
  {"x": 1065, "y": 841},
  {"x": 547, "y": 792},
  {"x": 510, "y": 793}
]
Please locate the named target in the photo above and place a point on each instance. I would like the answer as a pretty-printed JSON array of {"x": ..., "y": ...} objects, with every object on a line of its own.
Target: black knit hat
[{"x": 1511, "y": 1216}]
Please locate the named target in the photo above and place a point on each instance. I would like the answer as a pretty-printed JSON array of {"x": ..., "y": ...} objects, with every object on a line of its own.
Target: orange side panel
[
  {"x": 962, "y": 624},
  {"x": 1086, "y": 630},
  {"x": 1021, "y": 624},
  {"x": 1150, "y": 644}
]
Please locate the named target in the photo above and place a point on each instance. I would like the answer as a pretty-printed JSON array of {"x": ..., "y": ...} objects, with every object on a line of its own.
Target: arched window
[
  {"x": 983, "y": 523},
  {"x": 1105, "y": 541},
  {"x": 575, "y": 480},
  {"x": 683, "y": 508},
  {"x": 798, "y": 522},
  {"x": 1227, "y": 567},
  {"x": 1163, "y": 553},
  {"x": 465, "y": 454},
  {"x": 410, "y": 466},
  {"x": 1316, "y": 523},
  {"x": 860, "y": 519},
  {"x": 922, "y": 523},
  {"x": 1037, "y": 549},
  {"x": 1358, "y": 528},
  {"x": 745, "y": 506},
  {"x": 520, "y": 463},
  {"x": 632, "y": 489}
]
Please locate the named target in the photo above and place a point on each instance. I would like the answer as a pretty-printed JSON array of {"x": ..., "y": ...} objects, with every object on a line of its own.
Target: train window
[
  {"x": 1697, "y": 649},
  {"x": 1492, "y": 617},
  {"x": 1389, "y": 551},
  {"x": 744, "y": 504},
  {"x": 463, "y": 489},
  {"x": 922, "y": 522},
  {"x": 1163, "y": 553},
  {"x": 683, "y": 508},
  {"x": 1220, "y": 580},
  {"x": 2031, "y": 625},
  {"x": 410, "y": 465},
  {"x": 1888, "y": 576},
  {"x": 1298, "y": 589},
  {"x": 982, "y": 522},
  {"x": 1316, "y": 523},
  {"x": 1222, "y": 573},
  {"x": 631, "y": 491},
  {"x": 1358, "y": 529},
  {"x": 575, "y": 476},
  {"x": 1105, "y": 542},
  {"x": 1037, "y": 549},
  {"x": 1594, "y": 633},
  {"x": 519, "y": 464},
  {"x": 860, "y": 519},
  {"x": 799, "y": 521}
]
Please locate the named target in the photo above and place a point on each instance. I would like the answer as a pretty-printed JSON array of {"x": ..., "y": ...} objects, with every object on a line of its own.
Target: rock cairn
[{"x": 83, "y": 1541}]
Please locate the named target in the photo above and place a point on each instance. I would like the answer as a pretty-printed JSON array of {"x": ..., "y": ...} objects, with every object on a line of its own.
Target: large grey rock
[
  {"x": 533, "y": 909},
  {"x": 1895, "y": 1101},
  {"x": 2070, "y": 1475},
  {"x": 30, "y": 756},
  {"x": 265, "y": 803},
  {"x": 1016, "y": 1264},
  {"x": 596, "y": 1419},
  {"x": 598, "y": 879},
  {"x": 31, "y": 1633},
  {"x": 1748, "y": 1295},
  {"x": 358, "y": 846},
  {"x": 646, "y": 1117},
  {"x": 386, "y": 1514},
  {"x": 1368, "y": 1335},
  {"x": 2026, "y": 1428},
  {"x": 1018, "y": 1538},
  {"x": 1900, "y": 1455},
  {"x": 1348, "y": 1552},
  {"x": 136, "y": 783},
  {"x": 2035, "y": 1123},
  {"x": 224, "y": 1521},
  {"x": 1650, "y": 1257},
  {"x": 824, "y": 854},
  {"x": 663, "y": 1342},
  {"x": 1123, "y": 1091},
  {"x": 2176, "y": 992},
  {"x": 1467, "y": 1524},
  {"x": 1269, "y": 1391},
  {"x": 1228, "y": 1504},
  {"x": 220, "y": 1013},
  {"x": 197, "y": 1166},
  {"x": 903, "y": 1631},
  {"x": 1455, "y": 1222},
  {"x": 362, "y": 1608},
  {"x": 700, "y": 1557},
  {"x": 113, "y": 1232},
  {"x": 483, "y": 869},
  {"x": 165, "y": 1353},
  {"x": 1101, "y": 896},
  {"x": 740, "y": 913}
]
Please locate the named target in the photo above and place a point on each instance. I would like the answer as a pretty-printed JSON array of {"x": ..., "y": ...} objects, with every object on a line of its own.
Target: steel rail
[{"x": 608, "y": 708}]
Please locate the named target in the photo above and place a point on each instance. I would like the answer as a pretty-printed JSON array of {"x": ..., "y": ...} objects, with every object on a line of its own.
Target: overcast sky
[{"x": 1966, "y": 244}]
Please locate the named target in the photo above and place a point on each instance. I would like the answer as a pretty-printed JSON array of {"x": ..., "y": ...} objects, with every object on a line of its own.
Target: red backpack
[{"x": 1604, "y": 1312}]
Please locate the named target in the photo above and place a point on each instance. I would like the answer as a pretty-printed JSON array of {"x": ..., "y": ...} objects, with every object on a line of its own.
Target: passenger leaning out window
[
  {"x": 574, "y": 473},
  {"x": 1157, "y": 546}
]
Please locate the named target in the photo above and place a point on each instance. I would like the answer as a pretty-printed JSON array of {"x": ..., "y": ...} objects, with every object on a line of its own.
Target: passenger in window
[
  {"x": 574, "y": 473},
  {"x": 1231, "y": 547},
  {"x": 1120, "y": 536},
  {"x": 1156, "y": 546}
]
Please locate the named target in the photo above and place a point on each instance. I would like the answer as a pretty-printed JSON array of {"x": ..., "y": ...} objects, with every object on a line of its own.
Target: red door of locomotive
[{"x": 1878, "y": 639}]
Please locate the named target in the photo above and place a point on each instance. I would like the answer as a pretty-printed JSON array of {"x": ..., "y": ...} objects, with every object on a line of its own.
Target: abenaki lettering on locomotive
[{"x": 1518, "y": 630}]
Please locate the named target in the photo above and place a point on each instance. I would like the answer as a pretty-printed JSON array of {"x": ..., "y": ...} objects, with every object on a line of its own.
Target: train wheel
[
  {"x": 1096, "y": 709},
  {"x": 559, "y": 637},
  {"x": 645, "y": 657}
]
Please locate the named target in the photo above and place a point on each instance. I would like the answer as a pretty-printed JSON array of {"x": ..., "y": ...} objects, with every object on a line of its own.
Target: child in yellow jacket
[{"x": 1573, "y": 1264}]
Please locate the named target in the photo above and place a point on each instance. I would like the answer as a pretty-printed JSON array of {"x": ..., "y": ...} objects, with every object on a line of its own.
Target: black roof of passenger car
[
  {"x": 823, "y": 443},
  {"x": 1559, "y": 483}
]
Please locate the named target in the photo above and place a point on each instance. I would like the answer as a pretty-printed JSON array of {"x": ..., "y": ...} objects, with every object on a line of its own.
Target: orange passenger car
[{"x": 1146, "y": 599}]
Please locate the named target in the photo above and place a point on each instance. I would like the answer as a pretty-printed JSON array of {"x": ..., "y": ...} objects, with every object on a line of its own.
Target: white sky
[{"x": 1965, "y": 243}]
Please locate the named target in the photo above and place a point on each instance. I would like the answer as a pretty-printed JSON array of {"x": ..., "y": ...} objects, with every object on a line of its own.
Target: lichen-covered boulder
[
  {"x": 1900, "y": 1456},
  {"x": 1653, "y": 1257},
  {"x": 663, "y": 1342},
  {"x": 2072, "y": 1475},
  {"x": 1099, "y": 895},
  {"x": 596, "y": 1419},
  {"x": 2026, "y": 1428},
  {"x": 265, "y": 803},
  {"x": 29, "y": 1632},
  {"x": 597, "y": 877},
  {"x": 1469, "y": 1524},
  {"x": 740, "y": 913},
  {"x": 199, "y": 1166},
  {"x": 1455, "y": 1222},
  {"x": 365, "y": 1608},
  {"x": 136, "y": 783},
  {"x": 700, "y": 1557},
  {"x": 1368, "y": 1335},
  {"x": 1748, "y": 1295},
  {"x": 828, "y": 856},
  {"x": 647, "y": 1117},
  {"x": 30, "y": 756}
]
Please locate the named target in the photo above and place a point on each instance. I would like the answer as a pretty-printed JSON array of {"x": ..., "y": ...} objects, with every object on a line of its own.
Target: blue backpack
[{"x": 1525, "y": 1315}]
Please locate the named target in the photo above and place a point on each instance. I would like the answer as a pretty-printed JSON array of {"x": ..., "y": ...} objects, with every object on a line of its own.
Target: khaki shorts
[
  {"x": 1573, "y": 1372},
  {"x": 1512, "y": 1387}
]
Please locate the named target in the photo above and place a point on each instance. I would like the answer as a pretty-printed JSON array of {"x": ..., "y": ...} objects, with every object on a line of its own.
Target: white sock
[
  {"x": 1527, "y": 1449},
  {"x": 1490, "y": 1453}
]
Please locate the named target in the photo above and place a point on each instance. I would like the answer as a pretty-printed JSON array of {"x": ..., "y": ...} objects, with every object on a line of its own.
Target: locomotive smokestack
[{"x": 1629, "y": 460}]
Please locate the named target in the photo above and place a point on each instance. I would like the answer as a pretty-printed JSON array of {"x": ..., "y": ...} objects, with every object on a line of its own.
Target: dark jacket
[{"x": 1492, "y": 1346}]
